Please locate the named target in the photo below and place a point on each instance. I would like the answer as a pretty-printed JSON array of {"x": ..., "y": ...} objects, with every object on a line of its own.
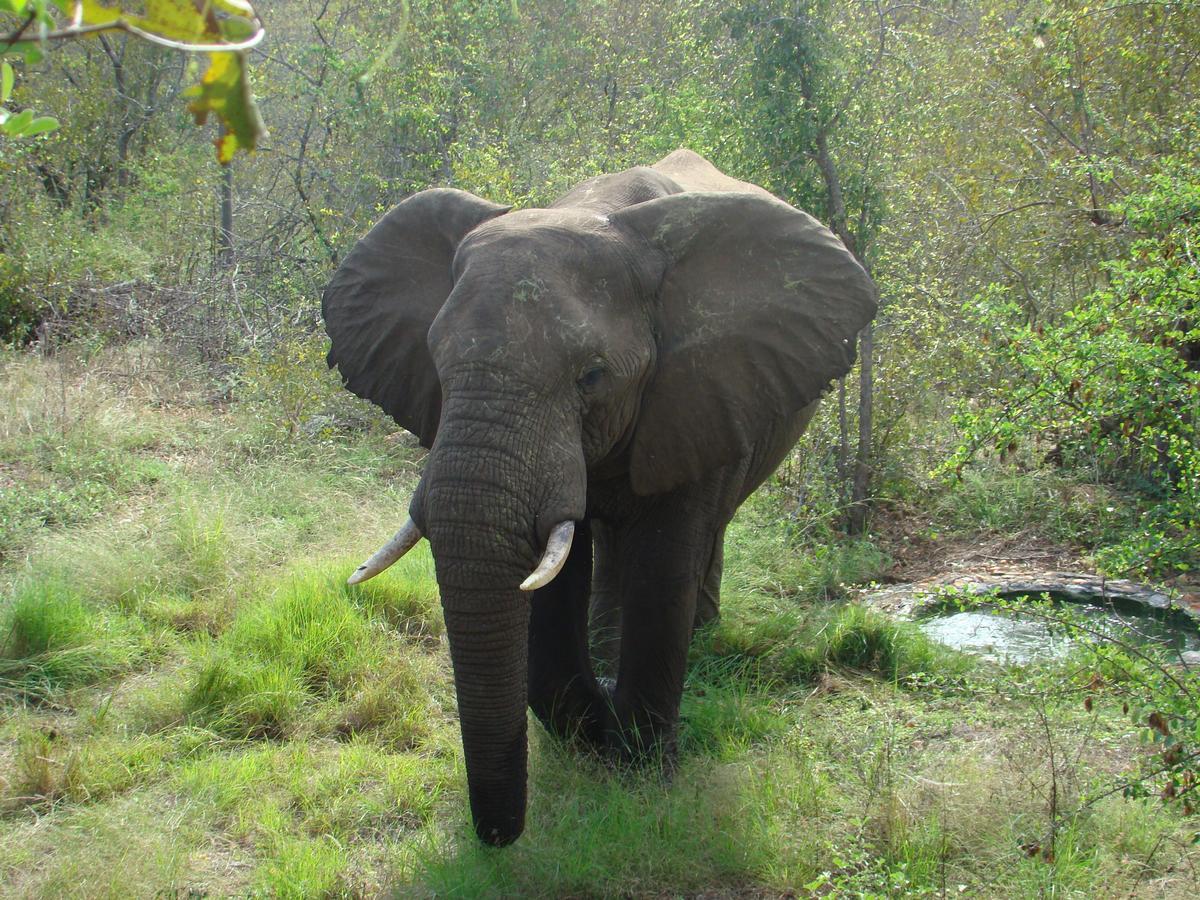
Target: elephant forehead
[
  {"x": 545, "y": 243},
  {"x": 517, "y": 309},
  {"x": 532, "y": 311}
]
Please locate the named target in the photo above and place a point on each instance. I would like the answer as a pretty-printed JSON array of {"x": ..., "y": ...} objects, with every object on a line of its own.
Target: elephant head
[{"x": 633, "y": 339}]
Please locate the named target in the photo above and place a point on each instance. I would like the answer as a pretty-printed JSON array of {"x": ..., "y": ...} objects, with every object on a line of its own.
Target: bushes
[
  {"x": 1114, "y": 385},
  {"x": 286, "y": 381}
]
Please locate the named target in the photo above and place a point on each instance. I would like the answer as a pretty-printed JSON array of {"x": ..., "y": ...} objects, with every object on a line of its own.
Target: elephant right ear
[{"x": 382, "y": 299}]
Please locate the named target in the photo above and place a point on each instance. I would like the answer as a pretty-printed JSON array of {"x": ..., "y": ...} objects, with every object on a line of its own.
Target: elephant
[{"x": 600, "y": 383}]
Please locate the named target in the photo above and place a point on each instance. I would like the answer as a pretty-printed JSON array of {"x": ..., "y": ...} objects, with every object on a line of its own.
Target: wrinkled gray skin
[{"x": 637, "y": 358}]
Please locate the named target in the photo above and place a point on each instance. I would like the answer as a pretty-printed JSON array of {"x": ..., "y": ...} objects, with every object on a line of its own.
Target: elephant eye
[{"x": 591, "y": 378}]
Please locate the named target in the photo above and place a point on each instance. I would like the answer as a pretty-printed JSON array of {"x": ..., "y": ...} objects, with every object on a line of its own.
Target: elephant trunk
[
  {"x": 488, "y": 633},
  {"x": 486, "y": 504}
]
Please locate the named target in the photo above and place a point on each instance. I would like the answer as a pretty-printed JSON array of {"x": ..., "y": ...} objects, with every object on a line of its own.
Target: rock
[{"x": 908, "y": 600}]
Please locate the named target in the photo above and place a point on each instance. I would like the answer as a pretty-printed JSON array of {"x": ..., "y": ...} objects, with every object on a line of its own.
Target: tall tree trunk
[
  {"x": 843, "y": 456},
  {"x": 225, "y": 257},
  {"x": 855, "y": 521}
]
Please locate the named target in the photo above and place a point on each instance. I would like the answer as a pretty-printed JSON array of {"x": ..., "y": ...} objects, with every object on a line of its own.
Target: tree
[{"x": 809, "y": 82}]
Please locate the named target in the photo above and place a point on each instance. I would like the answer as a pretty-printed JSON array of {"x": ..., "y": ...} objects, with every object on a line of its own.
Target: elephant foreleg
[
  {"x": 663, "y": 571},
  {"x": 563, "y": 692},
  {"x": 605, "y": 615},
  {"x": 708, "y": 605}
]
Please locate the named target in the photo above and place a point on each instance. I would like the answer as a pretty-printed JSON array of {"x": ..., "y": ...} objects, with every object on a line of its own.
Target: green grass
[
  {"x": 53, "y": 639},
  {"x": 196, "y": 704},
  {"x": 1007, "y": 500},
  {"x": 311, "y": 640}
]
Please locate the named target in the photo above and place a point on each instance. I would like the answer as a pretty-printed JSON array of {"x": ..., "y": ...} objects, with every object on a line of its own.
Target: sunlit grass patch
[
  {"x": 994, "y": 498},
  {"x": 53, "y": 639},
  {"x": 405, "y": 596},
  {"x": 71, "y": 448},
  {"x": 50, "y": 765},
  {"x": 143, "y": 843},
  {"x": 302, "y": 806},
  {"x": 167, "y": 567},
  {"x": 307, "y": 641},
  {"x": 766, "y": 555},
  {"x": 278, "y": 654}
]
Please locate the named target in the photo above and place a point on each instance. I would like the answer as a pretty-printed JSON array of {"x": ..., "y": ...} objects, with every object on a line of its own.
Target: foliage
[
  {"x": 1115, "y": 383},
  {"x": 24, "y": 123},
  {"x": 1118, "y": 661},
  {"x": 225, "y": 29},
  {"x": 1161, "y": 699},
  {"x": 290, "y": 378}
]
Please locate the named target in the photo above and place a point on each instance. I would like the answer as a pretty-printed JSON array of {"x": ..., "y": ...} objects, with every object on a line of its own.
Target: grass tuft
[
  {"x": 784, "y": 645},
  {"x": 309, "y": 640},
  {"x": 53, "y": 640}
]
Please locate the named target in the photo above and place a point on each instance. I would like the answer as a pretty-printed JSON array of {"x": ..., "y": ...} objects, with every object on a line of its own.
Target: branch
[{"x": 77, "y": 30}]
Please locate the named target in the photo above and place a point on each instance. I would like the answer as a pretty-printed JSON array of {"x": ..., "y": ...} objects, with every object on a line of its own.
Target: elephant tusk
[
  {"x": 405, "y": 539},
  {"x": 558, "y": 548}
]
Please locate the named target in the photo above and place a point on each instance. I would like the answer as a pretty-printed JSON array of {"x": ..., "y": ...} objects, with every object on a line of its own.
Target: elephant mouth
[{"x": 558, "y": 548}]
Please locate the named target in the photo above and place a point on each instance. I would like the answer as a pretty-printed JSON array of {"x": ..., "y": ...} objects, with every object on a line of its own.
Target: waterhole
[{"x": 1016, "y": 638}]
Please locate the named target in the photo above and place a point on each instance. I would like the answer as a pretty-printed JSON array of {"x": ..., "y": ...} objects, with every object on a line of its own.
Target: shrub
[{"x": 1115, "y": 382}]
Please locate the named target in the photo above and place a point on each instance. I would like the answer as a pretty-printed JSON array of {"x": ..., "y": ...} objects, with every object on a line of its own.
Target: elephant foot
[
  {"x": 645, "y": 744},
  {"x": 579, "y": 717}
]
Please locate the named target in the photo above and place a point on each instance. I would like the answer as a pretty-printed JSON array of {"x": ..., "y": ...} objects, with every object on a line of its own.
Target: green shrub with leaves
[
  {"x": 1119, "y": 659},
  {"x": 294, "y": 387},
  {"x": 1114, "y": 385}
]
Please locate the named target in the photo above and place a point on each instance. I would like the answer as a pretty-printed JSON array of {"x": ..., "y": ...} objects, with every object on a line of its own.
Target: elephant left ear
[{"x": 759, "y": 309}]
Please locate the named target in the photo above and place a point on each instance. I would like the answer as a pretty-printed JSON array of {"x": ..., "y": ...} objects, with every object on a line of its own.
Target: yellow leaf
[{"x": 225, "y": 91}]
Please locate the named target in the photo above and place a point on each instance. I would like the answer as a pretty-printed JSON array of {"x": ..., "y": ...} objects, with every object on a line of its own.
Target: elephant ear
[
  {"x": 382, "y": 299},
  {"x": 759, "y": 308}
]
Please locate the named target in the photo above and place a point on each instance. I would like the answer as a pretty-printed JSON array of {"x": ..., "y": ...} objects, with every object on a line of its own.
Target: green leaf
[
  {"x": 31, "y": 50},
  {"x": 15, "y": 126},
  {"x": 41, "y": 125}
]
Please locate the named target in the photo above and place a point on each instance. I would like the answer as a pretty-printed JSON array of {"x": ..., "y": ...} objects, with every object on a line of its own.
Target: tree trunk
[
  {"x": 843, "y": 456},
  {"x": 856, "y": 521},
  {"x": 225, "y": 257}
]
